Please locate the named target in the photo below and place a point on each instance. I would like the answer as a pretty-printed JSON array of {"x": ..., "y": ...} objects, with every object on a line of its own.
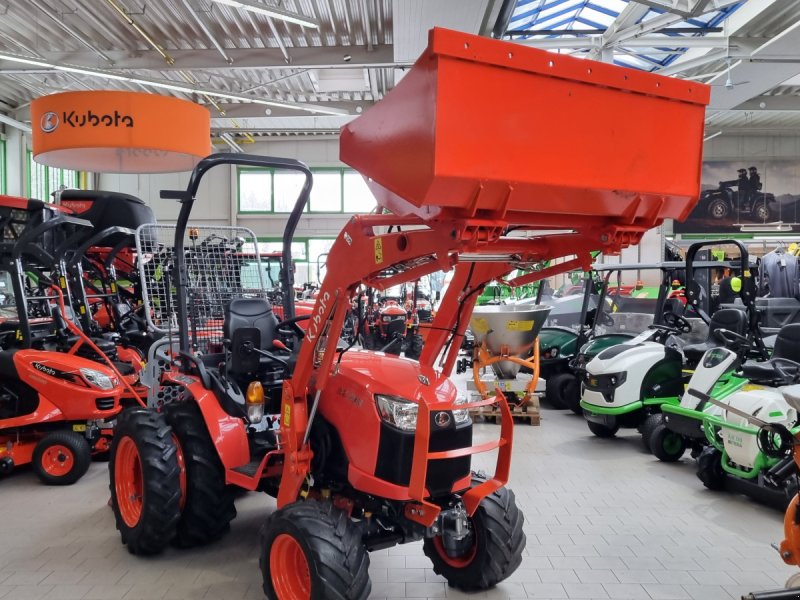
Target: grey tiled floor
[{"x": 603, "y": 520}]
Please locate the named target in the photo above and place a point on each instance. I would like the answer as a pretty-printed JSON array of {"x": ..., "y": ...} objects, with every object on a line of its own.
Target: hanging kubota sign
[{"x": 119, "y": 132}]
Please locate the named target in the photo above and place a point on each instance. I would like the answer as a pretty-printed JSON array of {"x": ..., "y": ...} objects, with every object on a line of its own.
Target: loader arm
[{"x": 480, "y": 253}]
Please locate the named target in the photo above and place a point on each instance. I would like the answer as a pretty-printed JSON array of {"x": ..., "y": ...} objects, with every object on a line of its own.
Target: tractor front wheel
[
  {"x": 312, "y": 551},
  {"x": 61, "y": 458},
  {"x": 145, "y": 481},
  {"x": 208, "y": 507},
  {"x": 495, "y": 549}
]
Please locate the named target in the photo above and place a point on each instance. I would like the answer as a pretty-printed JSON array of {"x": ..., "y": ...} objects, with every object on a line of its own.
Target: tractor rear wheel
[
  {"x": 312, "y": 551},
  {"x": 208, "y": 507},
  {"x": 649, "y": 424},
  {"x": 564, "y": 391},
  {"x": 145, "y": 481},
  {"x": 61, "y": 458},
  {"x": 666, "y": 445},
  {"x": 496, "y": 549}
]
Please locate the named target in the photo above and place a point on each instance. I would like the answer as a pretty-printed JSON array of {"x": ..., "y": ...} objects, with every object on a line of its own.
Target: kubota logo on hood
[{"x": 44, "y": 369}]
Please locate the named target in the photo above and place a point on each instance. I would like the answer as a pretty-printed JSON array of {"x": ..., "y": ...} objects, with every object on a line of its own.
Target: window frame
[
  {"x": 49, "y": 187},
  {"x": 3, "y": 167},
  {"x": 340, "y": 170}
]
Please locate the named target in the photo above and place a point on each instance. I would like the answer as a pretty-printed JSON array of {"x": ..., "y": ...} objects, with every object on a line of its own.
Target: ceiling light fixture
[
  {"x": 271, "y": 11},
  {"x": 175, "y": 87}
]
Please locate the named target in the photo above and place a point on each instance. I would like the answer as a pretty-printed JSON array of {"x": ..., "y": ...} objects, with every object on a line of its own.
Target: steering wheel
[
  {"x": 730, "y": 338},
  {"x": 290, "y": 326},
  {"x": 605, "y": 318},
  {"x": 789, "y": 370},
  {"x": 132, "y": 316},
  {"x": 677, "y": 322}
]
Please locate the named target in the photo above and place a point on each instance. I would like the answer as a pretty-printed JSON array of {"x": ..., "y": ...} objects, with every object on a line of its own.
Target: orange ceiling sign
[{"x": 119, "y": 132}]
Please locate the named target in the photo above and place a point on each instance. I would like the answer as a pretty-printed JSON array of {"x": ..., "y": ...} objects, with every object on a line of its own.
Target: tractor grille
[
  {"x": 104, "y": 403},
  {"x": 222, "y": 263},
  {"x": 396, "y": 450}
]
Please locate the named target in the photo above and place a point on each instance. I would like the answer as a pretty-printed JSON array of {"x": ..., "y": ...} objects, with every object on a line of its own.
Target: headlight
[
  {"x": 461, "y": 415},
  {"x": 397, "y": 411},
  {"x": 98, "y": 379}
]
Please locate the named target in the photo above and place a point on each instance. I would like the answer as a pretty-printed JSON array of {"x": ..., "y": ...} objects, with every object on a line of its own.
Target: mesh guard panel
[{"x": 220, "y": 266}]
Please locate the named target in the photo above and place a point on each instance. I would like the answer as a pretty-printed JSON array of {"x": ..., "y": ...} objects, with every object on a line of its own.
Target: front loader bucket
[
  {"x": 484, "y": 128},
  {"x": 508, "y": 330}
]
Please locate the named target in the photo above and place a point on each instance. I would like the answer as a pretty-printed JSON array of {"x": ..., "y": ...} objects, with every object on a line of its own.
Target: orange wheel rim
[
  {"x": 181, "y": 469},
  {"x": 58, "y": 460},
  {"x": 288, "y": 568},
  {"x": 128, "y": 482},
  {"x": 459, "y": 562}
]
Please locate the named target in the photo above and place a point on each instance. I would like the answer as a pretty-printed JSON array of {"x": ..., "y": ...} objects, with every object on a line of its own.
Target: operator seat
[
  {"x": 787, "y": 345},
  {"x": 252, "y": 313},
  {"x": 732, "y": 319}
]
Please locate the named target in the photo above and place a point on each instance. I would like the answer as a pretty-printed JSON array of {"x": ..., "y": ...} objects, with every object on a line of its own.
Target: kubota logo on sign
[{"x": 50, "y": 120}]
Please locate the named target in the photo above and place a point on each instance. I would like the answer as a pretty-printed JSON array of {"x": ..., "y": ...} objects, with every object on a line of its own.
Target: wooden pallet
[{"x": 523, "y": 414}]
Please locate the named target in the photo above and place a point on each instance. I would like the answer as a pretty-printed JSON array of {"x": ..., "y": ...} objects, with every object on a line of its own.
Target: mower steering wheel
[
  {"x": 667, "y": 328},
  {"x": 605, "y": 318},
  {"x": 132, "y": 316},
  {"x": 677, "y": 322},
  {"x": 728, "y": 337},
  {"x": 789, "y": 370}
]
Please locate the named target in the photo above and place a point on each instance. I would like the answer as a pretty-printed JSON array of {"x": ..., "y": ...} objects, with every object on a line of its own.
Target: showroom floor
[{"x": 603, "y": 520}]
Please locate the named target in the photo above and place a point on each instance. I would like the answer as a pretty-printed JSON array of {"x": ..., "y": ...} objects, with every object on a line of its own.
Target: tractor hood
[{"x": 379, "y": 373}]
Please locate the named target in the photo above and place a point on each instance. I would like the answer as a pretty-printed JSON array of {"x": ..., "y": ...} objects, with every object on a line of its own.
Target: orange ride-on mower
[
  {"x": 364, "y": 450},
  {"x": 56, "y": 409}
]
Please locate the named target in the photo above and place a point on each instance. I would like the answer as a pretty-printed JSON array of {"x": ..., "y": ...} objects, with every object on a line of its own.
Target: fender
[
  {"x": 46, "y": 412},
  {"x": 228, "y": 434}
]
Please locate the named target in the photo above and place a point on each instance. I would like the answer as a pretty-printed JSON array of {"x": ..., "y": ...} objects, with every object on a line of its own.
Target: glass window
[
  {"x": 298, "y": 248},
  {"x": 357, "y": 197},
  {"x": 43, "y": 181},
  {"x": 317, "y": 249},
  {"x": 3, "y": 174},
  {"x": 287, "y": 187},
  {"x": 326, "y": 195},
  {"x": 255, "y": 191}
]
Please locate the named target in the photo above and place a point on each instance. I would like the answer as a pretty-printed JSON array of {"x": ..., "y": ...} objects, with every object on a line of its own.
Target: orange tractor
[{"x": 364, "y": 450}]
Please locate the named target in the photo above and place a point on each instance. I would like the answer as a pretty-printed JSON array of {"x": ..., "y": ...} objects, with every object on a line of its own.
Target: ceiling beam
[
  {"x": 767, "y": 103},
  {"x": 750, "y": 78},
  {"x": 248, "y": 111},
  {"x": 647, "y": 41},
  {"x": 330, "y": 57},
  {"x": 630, "y": 15}
]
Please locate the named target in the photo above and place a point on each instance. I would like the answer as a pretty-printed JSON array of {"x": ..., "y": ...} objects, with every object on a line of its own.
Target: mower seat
[
  {"x": 732, "y": 319},
  {"x": 787, "y": 345}
]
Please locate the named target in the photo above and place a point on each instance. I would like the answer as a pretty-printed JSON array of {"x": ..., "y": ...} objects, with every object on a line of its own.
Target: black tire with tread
[
  {"x": 81, "y": 456},
  {"x": 709, "y": 469},
  {"x": 162, "y": 493},
  {"x": 414, "y": 348},
  {"x": 209, "y": 504},
  {"x": 722, "y": 205},
  {"x": 602, "y": 431},
  {"x": 648, "y": 425},
  {"x": 564, "y": 391},
  {"x": 657, "y": 438},
  {"x": 337, "y": 559},
  {"x": 763, "y": 207},
  {"x": 498, "y": 525}
]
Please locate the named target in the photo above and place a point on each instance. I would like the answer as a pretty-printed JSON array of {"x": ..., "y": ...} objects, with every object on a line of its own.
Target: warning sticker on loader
[
  {"x": 378, "y": 251},
  {"x": 479, "y": 325},
  {"x": 519, "y": 325}
]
